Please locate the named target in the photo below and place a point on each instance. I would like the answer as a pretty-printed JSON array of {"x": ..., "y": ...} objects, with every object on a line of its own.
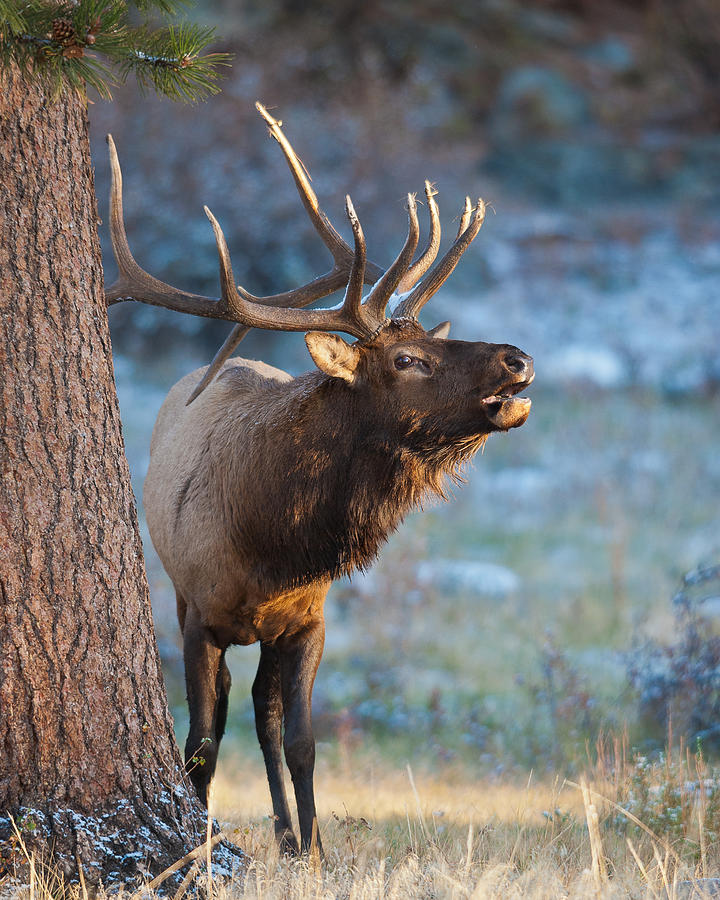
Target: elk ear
[
  {"x": 440, "y": 331},
  {"x": 332, "y": 355}
]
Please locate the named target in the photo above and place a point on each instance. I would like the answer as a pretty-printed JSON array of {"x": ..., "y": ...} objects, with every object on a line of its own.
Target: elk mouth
[{"x": 504, "y": 409}]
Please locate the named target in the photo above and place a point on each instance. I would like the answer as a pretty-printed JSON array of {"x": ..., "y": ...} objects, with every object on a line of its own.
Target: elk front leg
[
  {"x": 299, "y": 659},
  {"x": 267, "y": 700},
  {"x": 224, "y": 683},
  {"x": 207, "y": 682}
]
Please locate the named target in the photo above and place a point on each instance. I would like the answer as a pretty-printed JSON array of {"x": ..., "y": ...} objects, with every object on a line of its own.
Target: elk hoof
[{"x": 288, "y": 844}]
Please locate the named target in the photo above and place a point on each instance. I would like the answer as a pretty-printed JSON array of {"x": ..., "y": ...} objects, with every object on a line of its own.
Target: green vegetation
[{"x": 93, "y": 43}]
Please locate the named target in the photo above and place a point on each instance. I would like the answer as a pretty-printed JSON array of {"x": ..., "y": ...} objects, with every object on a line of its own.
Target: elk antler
[
  {"x": 134, "y": 283},
  {"x": 411, "y": 305},
  {"x": 420, "y": 267},
  {"x": 283, "y": 311},
  {"x": 160, "y": 294}
]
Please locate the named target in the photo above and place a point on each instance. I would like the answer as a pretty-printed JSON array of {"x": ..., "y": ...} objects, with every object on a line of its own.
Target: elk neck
[{"x": 341, "y": 479}]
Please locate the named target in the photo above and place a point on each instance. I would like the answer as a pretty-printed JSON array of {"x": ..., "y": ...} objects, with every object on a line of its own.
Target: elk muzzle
[{"x": 503, "y": 408}]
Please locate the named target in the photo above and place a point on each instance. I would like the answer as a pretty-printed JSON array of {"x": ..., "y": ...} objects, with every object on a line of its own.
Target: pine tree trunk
[{"x": 88, "y": 760}]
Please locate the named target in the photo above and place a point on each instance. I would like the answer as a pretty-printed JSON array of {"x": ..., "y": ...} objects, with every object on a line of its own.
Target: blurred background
[{"x": 545, "y": 605}]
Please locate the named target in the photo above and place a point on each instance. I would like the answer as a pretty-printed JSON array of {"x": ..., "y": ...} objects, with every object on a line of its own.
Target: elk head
[{"x": 444, "y": 387}]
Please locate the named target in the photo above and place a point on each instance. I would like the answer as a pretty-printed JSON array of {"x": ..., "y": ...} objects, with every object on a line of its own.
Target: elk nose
[{"x": 518, "y": 363}]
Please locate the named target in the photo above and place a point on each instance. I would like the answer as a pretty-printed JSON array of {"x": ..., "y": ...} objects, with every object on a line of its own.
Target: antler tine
[
  {"x": 132, "y": 281},
  {"x": 420, "y": 266},
  {"x": 412, "y": 304},
  {"x": 341, "y": 252},
  {"x": 240, "y": 306},
  {"x": 465, "y": 217},
  {"x": 378, "y": 297},
  {"x": 228, "y": 346},
  {"x": 353, "y": 295}
]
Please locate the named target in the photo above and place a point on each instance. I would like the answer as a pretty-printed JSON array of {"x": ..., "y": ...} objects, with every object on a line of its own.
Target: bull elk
[{"x": 263, "y": 488}]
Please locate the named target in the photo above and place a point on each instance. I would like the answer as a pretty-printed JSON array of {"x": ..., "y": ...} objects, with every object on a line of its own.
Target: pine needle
[{"x": 80, "y": 44}]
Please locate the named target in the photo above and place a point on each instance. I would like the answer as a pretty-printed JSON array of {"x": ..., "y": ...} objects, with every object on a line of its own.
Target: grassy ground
[
  {"x": 395, "y": 833},
  {"x": 398, "y": 834}
]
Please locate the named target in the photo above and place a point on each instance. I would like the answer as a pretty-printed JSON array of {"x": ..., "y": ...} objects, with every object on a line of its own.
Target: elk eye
[{"x": 404, "y": 361}]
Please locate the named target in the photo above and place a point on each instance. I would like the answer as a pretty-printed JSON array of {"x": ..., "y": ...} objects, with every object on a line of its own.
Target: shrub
[{"x": 678, "y": 684}]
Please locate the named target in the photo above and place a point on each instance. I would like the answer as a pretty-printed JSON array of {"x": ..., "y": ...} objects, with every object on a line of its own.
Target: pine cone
[{"x": 63, "y": 32}]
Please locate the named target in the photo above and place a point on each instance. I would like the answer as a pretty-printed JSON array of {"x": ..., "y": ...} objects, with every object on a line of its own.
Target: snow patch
[{"x": 457, "y": 576}]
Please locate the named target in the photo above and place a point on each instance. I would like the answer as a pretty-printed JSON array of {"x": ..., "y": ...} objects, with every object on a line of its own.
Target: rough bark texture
[{"x": 88, "y": 761}]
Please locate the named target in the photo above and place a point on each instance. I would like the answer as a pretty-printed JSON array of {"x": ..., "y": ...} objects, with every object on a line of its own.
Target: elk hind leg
[{"x": 267, "y": 701}]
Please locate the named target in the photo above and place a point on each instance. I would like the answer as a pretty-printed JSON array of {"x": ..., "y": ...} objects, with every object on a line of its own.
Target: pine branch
[
  {"x": 11, "y": 16},
  {"x": 83, "y": 43},
  {"x": 166, "y": 7},
  {"x": 171, "y": 62}
]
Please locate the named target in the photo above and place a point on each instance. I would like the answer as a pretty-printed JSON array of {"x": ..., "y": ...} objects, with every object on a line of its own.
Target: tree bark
[{"x": 88, "y": 761}]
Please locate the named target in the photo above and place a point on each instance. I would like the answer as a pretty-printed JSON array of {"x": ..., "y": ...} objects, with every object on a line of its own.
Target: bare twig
[
  {"x": 189, "y": 857},
  {"x": 599, "y": 868}
]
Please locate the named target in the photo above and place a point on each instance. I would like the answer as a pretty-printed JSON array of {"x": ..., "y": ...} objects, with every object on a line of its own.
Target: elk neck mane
[{"x": 341, "y": 482}]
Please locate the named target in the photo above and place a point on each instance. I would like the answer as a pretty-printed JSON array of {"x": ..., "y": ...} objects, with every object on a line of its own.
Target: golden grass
[
  {"x": 395, "y": 834},
  {"x": 378, "y": 793},
  {"x": 399, "y": 834}
]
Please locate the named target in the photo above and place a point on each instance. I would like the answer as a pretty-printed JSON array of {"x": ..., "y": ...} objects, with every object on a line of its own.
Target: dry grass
[
  {"x": 379, "y": 794},
  {"x": 392, "y": 834}
]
